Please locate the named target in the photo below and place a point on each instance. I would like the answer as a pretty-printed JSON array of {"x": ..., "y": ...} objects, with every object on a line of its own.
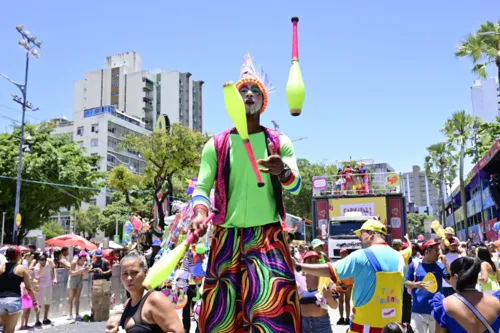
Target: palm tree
[
  {"x": 483, "y": 48},
  {"x": 458, "y": 129},
  {"x": 436, "y": 165}
]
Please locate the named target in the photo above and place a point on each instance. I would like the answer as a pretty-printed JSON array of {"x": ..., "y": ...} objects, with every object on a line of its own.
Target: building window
[
  {"x": 92, "y": 202},
  {"x": 93, "y": 154},
  {"x": 80, "y": 144},
  {"x": 79, "y": 131},
  {"x": 94, "y": 143},
  {"x": 95, "y": 128}
]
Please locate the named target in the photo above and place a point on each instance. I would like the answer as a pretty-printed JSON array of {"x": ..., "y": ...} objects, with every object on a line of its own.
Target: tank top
[
  {"x": 78, "y": 277},
  {"x": 492, "y": 285},
  {"x": 10, "y": 283},
  {"x": 135, "y": 312}
]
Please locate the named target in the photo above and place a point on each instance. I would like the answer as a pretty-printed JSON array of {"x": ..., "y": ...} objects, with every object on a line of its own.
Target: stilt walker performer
[{"x": 249, "y": 284}]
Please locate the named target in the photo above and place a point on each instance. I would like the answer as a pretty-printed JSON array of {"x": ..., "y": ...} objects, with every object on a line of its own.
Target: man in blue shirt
[
  {"x": 359, "y": 266},
  {"x": 425, "y": 278}
]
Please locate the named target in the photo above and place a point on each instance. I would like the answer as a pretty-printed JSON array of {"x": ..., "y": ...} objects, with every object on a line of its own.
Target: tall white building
[
  {"x": 122, "y": 99},
  {"x": 100, "y": 131},
  {"x": 486, "y": 99},
  {"x": 140, "y": 93},
  {"x": 421, "y": 194}
]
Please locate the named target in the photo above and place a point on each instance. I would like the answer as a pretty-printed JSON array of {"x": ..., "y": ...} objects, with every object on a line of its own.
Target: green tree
[
  {"x": 168, "y": 155},
  {"x": 121, "y": 179},
  {"x": 52, "y": 229},
  {"x": 88, "y": 221},
  {"x": 50, "y": 159},
  {"x": 117, "y": 209},
  {"x": 301, "y": 204},
  {"x": 437, "y": 163},
  {"x": 487, "y": 134},
  {"x": 140, "y": 204},
  {"x": 416, "y": 224},
  {"x": 458, "y": 129},
  {"x": 483, "y": 48}
]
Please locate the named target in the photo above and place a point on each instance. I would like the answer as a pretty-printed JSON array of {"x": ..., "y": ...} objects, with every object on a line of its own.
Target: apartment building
[
  {"x": 485, "y": 95},
  {"x": 421, "y": 195},
  {"x": 141, "y": 94}
]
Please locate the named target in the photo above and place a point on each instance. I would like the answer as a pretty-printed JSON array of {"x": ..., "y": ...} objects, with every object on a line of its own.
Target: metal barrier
[{"x": 59, "y": 306}]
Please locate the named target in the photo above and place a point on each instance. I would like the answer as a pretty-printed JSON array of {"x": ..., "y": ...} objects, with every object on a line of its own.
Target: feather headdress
[{"x": 250, "y": 72}]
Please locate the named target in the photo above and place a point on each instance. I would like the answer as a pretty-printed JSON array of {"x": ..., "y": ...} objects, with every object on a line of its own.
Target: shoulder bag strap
[{"x": 476, "y": 313}]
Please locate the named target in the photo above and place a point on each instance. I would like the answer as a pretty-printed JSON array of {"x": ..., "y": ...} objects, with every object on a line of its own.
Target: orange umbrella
[{"x": 71, "y": 240}]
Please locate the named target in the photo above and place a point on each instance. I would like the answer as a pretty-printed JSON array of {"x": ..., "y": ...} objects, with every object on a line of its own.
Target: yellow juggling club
[
  {"x": 295, "y": 90},
  {"x": 162, "y": 269},
  {"x": 236, "y": 109}
]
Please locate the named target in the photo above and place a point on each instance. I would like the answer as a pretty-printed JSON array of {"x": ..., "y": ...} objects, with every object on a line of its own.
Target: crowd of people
[
  {"x": 27, "y": 278},
  {"x": 446, "y": 285}
]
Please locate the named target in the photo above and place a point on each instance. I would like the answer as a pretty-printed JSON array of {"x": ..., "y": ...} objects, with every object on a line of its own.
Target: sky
[{"x": 381, "y": 77}]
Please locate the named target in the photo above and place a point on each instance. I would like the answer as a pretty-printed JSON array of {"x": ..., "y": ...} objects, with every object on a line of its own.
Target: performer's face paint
[{"x": 252, "y": 97}]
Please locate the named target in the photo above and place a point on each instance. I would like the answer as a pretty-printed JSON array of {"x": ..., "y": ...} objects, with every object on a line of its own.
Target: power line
[{"x": 55, "y": 184}]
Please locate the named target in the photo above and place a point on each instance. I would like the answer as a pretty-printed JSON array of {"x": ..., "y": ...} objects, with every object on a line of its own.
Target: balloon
[
  {"x": 200, "y": 248},
  {"x": 136, "y": 223},
  {"x": 197, "y": 310},
  {"x": 496, "y": 227}
]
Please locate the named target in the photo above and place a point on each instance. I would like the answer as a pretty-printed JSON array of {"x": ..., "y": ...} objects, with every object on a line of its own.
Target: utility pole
[
  {"x": 30, "y": 45},
  {"x": 116, "y": 225}
]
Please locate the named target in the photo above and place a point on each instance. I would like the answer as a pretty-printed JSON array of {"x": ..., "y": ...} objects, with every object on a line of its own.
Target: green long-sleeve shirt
[{"x": 248, "y": 205}]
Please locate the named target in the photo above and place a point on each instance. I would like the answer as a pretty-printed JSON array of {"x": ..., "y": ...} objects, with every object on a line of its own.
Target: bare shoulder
[
  {"x": 492, "y": 301},
  {"x": 157, "y": 299},
  {"x": 19, "y": 270},
  {"x": 452, "y": 305}
]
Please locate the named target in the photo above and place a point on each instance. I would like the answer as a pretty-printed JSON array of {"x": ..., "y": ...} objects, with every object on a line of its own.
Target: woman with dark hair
[
  {"x": 468, "y": 310},
  {"x": 11, "y": 276},
  {"x": 397, "y": 328},
  {"x": 490, "y": 275},
  {"x": 145, "y": 311}
]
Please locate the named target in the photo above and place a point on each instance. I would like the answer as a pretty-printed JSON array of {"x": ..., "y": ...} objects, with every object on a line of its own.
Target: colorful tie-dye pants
[{"x": 249, "y": 283}]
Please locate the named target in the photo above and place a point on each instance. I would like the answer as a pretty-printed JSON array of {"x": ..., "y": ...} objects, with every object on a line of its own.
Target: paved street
[{"x": 100, "y": 327}]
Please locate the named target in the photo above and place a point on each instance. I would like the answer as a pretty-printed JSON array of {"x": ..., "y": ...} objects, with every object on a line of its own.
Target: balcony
[
  {"x": 148, "y": 97},
  {"x": 148, "y": 106},
  {"x": 357, "y": 184},
  {"x": 148, "y": 84}
]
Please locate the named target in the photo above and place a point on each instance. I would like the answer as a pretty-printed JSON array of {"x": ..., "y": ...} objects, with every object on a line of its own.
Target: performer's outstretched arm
[
  {"x": 294, "y": 182},
  {"x": 206, "y": 176}
]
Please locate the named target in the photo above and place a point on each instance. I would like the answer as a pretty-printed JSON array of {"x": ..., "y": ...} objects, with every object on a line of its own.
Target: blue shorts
[
  {"x": 10, "y": 305},
  {"x": 316, "y": 324}
]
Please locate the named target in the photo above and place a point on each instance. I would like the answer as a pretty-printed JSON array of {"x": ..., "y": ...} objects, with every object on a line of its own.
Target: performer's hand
[
  {"x": 197, "y": 223},
  {"x": 273, "y": 164},
  {"x": 228, "y": 83}
]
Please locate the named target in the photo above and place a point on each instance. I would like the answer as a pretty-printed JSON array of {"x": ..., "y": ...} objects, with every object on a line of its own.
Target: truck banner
[
  {"x": 365, "y": 209},
  {"x": 376, "y": 206}
]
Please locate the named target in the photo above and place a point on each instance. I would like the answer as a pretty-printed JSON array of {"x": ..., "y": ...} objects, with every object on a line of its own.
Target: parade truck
[{"x": 340, "y": 208}]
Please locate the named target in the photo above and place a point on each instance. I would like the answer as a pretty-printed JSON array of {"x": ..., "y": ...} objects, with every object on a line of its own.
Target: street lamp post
[{"x": 30, "y": 46}]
